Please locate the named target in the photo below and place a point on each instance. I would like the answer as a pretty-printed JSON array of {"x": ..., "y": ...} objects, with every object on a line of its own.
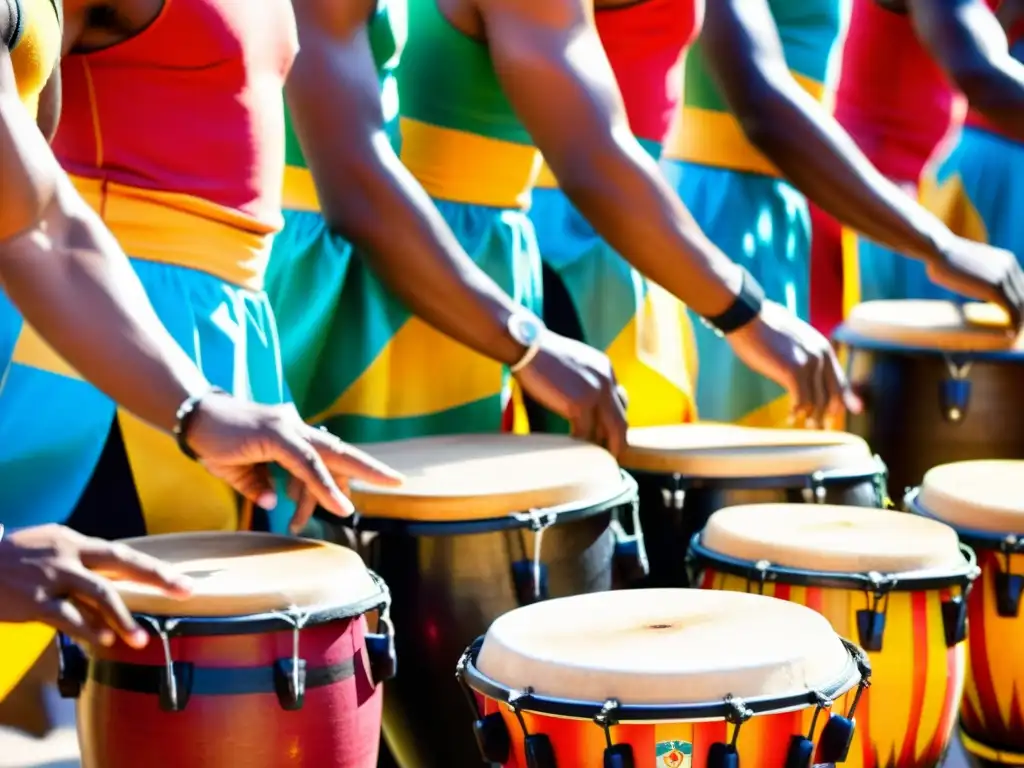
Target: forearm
[
  {"x": 72, "y": 283},
  {"x": 997, "y": 93},
  {"x": 383, "y": 210},
  {"x": 814, "y": 152},
  {"x": 620, "y": 190}
]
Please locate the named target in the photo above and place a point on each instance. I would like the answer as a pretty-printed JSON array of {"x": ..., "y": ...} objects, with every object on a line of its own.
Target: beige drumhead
[
  {"x": 239, "y": 574},
  {"x": 982, "y": 495},
  {"x": 933, "y": 324},
  {"x": 832, "y": 538},
  {"x": 728, "y": 450},
  {"x": 476, "y": 477},
  {"x": 663, "y": 646}
]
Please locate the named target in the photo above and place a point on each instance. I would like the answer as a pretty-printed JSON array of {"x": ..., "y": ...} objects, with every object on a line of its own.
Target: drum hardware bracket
[
  {"x": 954, "y": 610},
  {"x": 72, "y": 667},
  {"x": 537, "y": 746},
  {"x": 1009, "y": 586},
  {"x": 801, "y": 748},
  {"x": 615, "y": 755},
  {"x": 722, "y": 755},
  {"x": 882, "y": 484},
  {"x": 290, "y": 674},
  {"x": 492, "y": 737},
  {"x": 630, "y": 549},
  {"x": 955, "y": 392},
  {"x": 815, "y": 491},
  {"x": 176, "y": 682},
  {"x": 871, "y": 621},
  {"x": 761, "y": 568},
  {"x": 674, "y": 497}
]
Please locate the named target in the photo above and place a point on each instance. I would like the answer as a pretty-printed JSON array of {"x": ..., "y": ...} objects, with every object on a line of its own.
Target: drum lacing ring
[
  {"x": 737, "y": 713},
  {"x": 815, "y": 492},
  {"x": 761, "y": 568},
  {"x": 824, "y": 704},
  {"x": 605, "y": 720},
  {"x": 162, "y": 628}
]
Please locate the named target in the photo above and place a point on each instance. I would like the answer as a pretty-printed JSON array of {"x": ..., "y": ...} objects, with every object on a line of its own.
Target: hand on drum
[
  {"x": 577, "y": 382},
  {"x": 982, "y": 272},
  {"x": 53, "y": 575},
  {"x": 238, "y": 440},
  {"x": 785, "y": 349}
]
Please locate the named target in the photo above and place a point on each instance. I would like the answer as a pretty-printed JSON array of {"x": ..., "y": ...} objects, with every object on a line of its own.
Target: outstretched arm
[{"x": 969, "y": 43}]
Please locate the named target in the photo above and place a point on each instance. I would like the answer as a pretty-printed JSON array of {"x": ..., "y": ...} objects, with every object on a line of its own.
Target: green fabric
[
  {"x": 809, "y": 31},
  {"x": 448, "y": 79},
  {"x": 387, "y": 30}
]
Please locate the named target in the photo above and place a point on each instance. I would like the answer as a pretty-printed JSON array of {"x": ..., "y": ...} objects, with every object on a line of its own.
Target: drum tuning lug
[
  {"x": 630, "y": 555},
  {"x": 492, "y": 738},
  {"x": 1009, "y": 587},
  {"x": 531, "y": 581},
  {"x": 380, "y": 649},
  {"x": 175, "y": 686},
  {"x": 955, "y": 396},
  {"x": 72, "y": 667},
  {"x": 801, "y": 751},
  {"x": 619, "y": 756},
  {"x": 539, "y": 752},
  {"x": 835, "y": 741},
  {"x": 871, "y": 629},
  {"x": 954, "y": 620},
  {"x": 290, "y": 683},
  {"x": 723, "y": 756},
  {"x": 673, "y": 498}
]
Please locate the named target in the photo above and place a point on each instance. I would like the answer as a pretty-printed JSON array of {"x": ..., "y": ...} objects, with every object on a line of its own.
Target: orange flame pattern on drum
[
  {"x": 907, "y": 717},
  {"x": 993, "y": 711}
]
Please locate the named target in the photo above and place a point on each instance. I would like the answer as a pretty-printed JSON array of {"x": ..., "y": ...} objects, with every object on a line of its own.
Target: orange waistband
[
  {"x": 468, "y": 168},
  {"x": 716, "y": 139},
  {"x": 181, "y": 230}
]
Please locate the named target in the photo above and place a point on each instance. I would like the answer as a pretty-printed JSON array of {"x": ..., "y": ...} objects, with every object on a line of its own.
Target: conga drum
[
  {"x": 894, "y": 582},
  {"x": 940, "y": 383},
  {"x": 983, "y": 500},
  {"x": 669, "y": 678},
  {"x": 482, "y": 524},
  {"x": 268, "y": 664},
  {"x": 686, "y": 472}
]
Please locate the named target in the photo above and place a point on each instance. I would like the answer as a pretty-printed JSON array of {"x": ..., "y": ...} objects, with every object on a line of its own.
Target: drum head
[
  {"x": 710, "y": 450},
  {"x": 664, "y": 646},
  {"x": 476, "y": 477},
  {"x": 978, "y": 495},
  {"x": 833, "y": 539},
  {"x": 928, "y": 324},
  {"x": 243, "y": 574}
]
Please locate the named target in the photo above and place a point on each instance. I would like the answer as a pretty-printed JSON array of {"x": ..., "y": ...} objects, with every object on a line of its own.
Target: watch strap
[
  {"x": 527, "y": 358},
  {"x": 746, "y": 307}
]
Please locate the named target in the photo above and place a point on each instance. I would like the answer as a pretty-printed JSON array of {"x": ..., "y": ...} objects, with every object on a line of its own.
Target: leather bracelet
[
  {"x": 183, "y": 420},
  {"x": 743, "y": 310}
]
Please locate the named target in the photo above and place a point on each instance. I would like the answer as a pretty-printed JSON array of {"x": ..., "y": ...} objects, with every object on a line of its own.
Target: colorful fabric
[{"x": 736, "y": 196}]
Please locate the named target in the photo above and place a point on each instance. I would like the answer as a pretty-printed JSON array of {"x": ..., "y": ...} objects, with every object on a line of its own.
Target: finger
[
  {"x": 613, "y": 425},
  {"x": 119, "y": 561},
  {"x": 348, "y": 461},
  {"x": 304, "y": 509},
  {"x": 583, "y": 426},
  {"x": 101, "y": 596},
  {"x": 623, "y": 396},
  {"x": 301, "y": 459},
  {"x": 94, "y": 621},
  {"x": 255, "y": 483},
  {"x": 65, "y": 617},
  {"x": 819, "y": 391}
]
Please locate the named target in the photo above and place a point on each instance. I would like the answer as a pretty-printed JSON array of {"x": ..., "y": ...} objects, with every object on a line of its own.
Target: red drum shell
[{"x": 338, "y": 725}]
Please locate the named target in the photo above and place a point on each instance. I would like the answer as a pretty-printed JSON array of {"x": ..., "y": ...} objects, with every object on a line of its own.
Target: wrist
[
  {"x": 188, "y": 414},
  {"x": 745, "y": 308},
  {"x": 527, "y": 331}
]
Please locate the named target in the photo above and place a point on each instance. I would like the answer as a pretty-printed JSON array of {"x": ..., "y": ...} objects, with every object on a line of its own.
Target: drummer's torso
[
  {"x": 892, "y": 96},
  {"x": 386, "y": 30},
  {"x": 811, "y": 32}
]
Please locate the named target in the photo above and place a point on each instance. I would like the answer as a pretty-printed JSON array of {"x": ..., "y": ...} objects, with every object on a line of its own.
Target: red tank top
[
  {"x": 892, "y": 98},
  {"x": 190, "y": 105},
  {"x": 644, "y": 42},
  {"x": 1013, "y": 36}
]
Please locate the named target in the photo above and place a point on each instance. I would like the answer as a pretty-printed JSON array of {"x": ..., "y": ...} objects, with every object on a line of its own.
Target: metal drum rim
[
  {"x": 874, "y": 470},
  {"x": 699, "y": 556},
  {"x": 855, "y": 340},
  {"x": 565, "y": 513},
  {"x": 972, "y": 537},
  {"x": 857, "y": 669}
]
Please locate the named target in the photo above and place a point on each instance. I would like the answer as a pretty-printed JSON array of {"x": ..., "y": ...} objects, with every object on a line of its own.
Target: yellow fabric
[
  {"x": 463, "y": 167},
  {"x": 21, "y": 645},
  {"x": 37, "y": 52},
  {"x": 31, "y": 349},
  {"x": 182, "y": 230},
  {"x": 546, "y": 179},
  {"x": 773, "y": 414},
  {"x": 393, "y": 385},
  {"x": 299, "y": 192},
  {"x": 176, "y": 493},
  {"x": 851, "y": 270},
  {"x": 716, "y": 139},
  {"x": 950, "y": 203}
]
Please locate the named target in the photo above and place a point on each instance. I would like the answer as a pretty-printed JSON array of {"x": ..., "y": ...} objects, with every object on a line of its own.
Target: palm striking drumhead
[
  {"x": 240, "y": 574},
  {"x": 933, "y": 324},
  {"x": 475, "y": 477},
  {"x": 728, "y": 450},
  {"x": 832, "y": 538},
  {"x": 663, "y": 646},
  {"x": 983, "y": 495}
]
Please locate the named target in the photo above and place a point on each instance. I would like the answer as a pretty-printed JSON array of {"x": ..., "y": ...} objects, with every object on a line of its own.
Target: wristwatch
[
  {"x": 744, "y": 309},
  {"x": 527, "y": 330}
]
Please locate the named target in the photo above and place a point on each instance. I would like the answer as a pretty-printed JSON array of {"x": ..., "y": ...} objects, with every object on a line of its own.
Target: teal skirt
[{"x": 763, "y": 224}]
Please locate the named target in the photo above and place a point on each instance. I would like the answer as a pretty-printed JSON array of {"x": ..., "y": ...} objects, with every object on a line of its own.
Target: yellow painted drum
[
  {"x": 983, "y": 501},
  {"x": 661, "y": 677},
  {"x": 895, "y": 582}
]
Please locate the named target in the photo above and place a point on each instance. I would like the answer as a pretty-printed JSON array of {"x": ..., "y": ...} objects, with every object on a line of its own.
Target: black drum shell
[{"x": 906, "y": 407}]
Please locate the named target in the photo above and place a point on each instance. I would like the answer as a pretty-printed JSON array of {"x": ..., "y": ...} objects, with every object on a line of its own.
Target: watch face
[{"x": 524, "y": 329}]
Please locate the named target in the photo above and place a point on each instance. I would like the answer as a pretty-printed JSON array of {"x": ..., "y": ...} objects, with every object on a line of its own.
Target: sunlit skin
[
  {"x": 369, "y": 197},
  {"x": 744, "y": 52}
]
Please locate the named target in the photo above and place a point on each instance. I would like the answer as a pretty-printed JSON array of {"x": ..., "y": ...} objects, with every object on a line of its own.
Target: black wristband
[
  {"x": 744, "y": 309},
  {"x": 183, "y": 420}
]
